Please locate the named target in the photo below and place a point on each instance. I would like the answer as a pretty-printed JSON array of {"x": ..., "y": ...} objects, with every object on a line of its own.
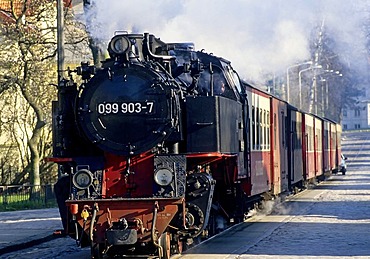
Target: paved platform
[
  {"x": 331, "y": 220},
  {"x": 19, "y": 229}
]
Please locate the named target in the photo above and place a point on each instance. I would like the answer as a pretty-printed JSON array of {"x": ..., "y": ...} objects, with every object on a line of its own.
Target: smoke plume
[{"x": 256, "y": 36}]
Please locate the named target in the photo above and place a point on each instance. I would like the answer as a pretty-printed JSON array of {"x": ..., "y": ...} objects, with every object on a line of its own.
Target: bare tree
[
  {"x": 333, "y": 85},
  {"x": 27, "y": 51},
  {"x": 27, "y": 71}
]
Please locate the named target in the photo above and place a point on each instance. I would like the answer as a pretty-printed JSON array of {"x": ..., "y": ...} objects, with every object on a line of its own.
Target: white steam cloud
[{"x": 256, "y": 36}]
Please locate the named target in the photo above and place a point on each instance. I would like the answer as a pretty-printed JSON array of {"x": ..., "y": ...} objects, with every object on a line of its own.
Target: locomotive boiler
[{"x": 152, "y": 148}]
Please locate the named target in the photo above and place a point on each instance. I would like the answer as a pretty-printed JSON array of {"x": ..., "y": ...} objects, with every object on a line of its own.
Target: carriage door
[{"x": 283, "y": 149}]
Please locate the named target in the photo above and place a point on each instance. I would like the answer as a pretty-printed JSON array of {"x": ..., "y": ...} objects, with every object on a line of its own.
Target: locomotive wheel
[
  {"x": 165, "y": 243},
  {"x": 176, "y": 245},
  {"x": 179, "y": 246},
  {"x": 97, "y": 250}
]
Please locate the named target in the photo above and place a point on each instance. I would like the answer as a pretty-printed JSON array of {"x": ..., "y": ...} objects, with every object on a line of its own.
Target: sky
[{"x": 256, "y": 36}]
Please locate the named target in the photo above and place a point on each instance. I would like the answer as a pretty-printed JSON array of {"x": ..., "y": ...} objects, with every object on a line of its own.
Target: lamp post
[
  {"x": 288, "y": 80},
  {"x": 325, "y": 102},
  {"x": 300, "y": 81},
  {"x": 300, "y": 85}
]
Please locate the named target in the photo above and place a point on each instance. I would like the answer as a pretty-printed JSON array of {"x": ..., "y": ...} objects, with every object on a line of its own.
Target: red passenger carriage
[
  {"x": 260, "y": 140},
  {"x": 295, "y": 145},
  {"x": 279, "y": 147}
]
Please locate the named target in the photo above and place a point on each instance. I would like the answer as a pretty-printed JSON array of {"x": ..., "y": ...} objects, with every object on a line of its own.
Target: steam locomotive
[{"x": 165, "y": 145}]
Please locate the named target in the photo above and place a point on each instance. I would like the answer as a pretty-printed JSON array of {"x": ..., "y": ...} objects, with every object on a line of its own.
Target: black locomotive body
[
  {"x": 141, "y": 144},
  {"x": 155, "y": 149}
]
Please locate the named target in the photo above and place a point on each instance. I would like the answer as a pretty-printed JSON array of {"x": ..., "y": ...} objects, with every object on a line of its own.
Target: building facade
[{"x": 358, "y": 116}]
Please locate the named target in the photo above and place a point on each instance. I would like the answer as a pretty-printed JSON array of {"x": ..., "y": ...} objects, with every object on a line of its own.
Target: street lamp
[
  {"x": 287, "y": 78},
  {"x": 300, "y": 81},
  {"x": 325, "y": 102}
]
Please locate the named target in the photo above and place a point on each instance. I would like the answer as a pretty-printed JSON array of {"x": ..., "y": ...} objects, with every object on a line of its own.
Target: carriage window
[
  {"x": 295, "y": 134},
  {"x": 258, "y": 127},
  {"x": 326, "y": 138},
  {"x": 268, "y": 130},
  {"x": 319, "y": 135},
  {"x": 261, "y": 128},
  {"x": 283, "y": 121},
  {"x": 274, "y": 131},
  {"x": 264, "y": 130},
  {"x": 253, "y": 130},
  {"x": 300, "y": 135},
  {"x": 310, "y": 138}
]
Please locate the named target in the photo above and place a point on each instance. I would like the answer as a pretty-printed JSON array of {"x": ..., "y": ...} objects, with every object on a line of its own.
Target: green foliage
[
  {"x": 21, "y": 198},
  {"x": 20, "y": 202}
]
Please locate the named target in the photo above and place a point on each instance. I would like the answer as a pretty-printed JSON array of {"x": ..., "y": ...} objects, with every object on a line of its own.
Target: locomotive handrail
[
  {"x": 204, "y": 123},
  {"x": 154, "y": 221},
  {"x": 213, "y": 154},
  {"x": 92, "y": 223}
]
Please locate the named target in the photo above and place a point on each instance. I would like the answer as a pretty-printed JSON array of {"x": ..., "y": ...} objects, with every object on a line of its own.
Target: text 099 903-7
[{"x": 126, "y": 108}]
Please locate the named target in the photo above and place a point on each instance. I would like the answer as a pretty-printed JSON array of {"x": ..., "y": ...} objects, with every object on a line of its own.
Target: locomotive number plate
[{"x": 126, "y": 108}]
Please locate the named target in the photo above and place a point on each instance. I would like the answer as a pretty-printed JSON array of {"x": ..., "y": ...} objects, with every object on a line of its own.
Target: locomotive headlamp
[
  {"x": 120, "y": 45},
  {"x": 82, "y": 179},
  {"x": 163, "y": 177}
]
